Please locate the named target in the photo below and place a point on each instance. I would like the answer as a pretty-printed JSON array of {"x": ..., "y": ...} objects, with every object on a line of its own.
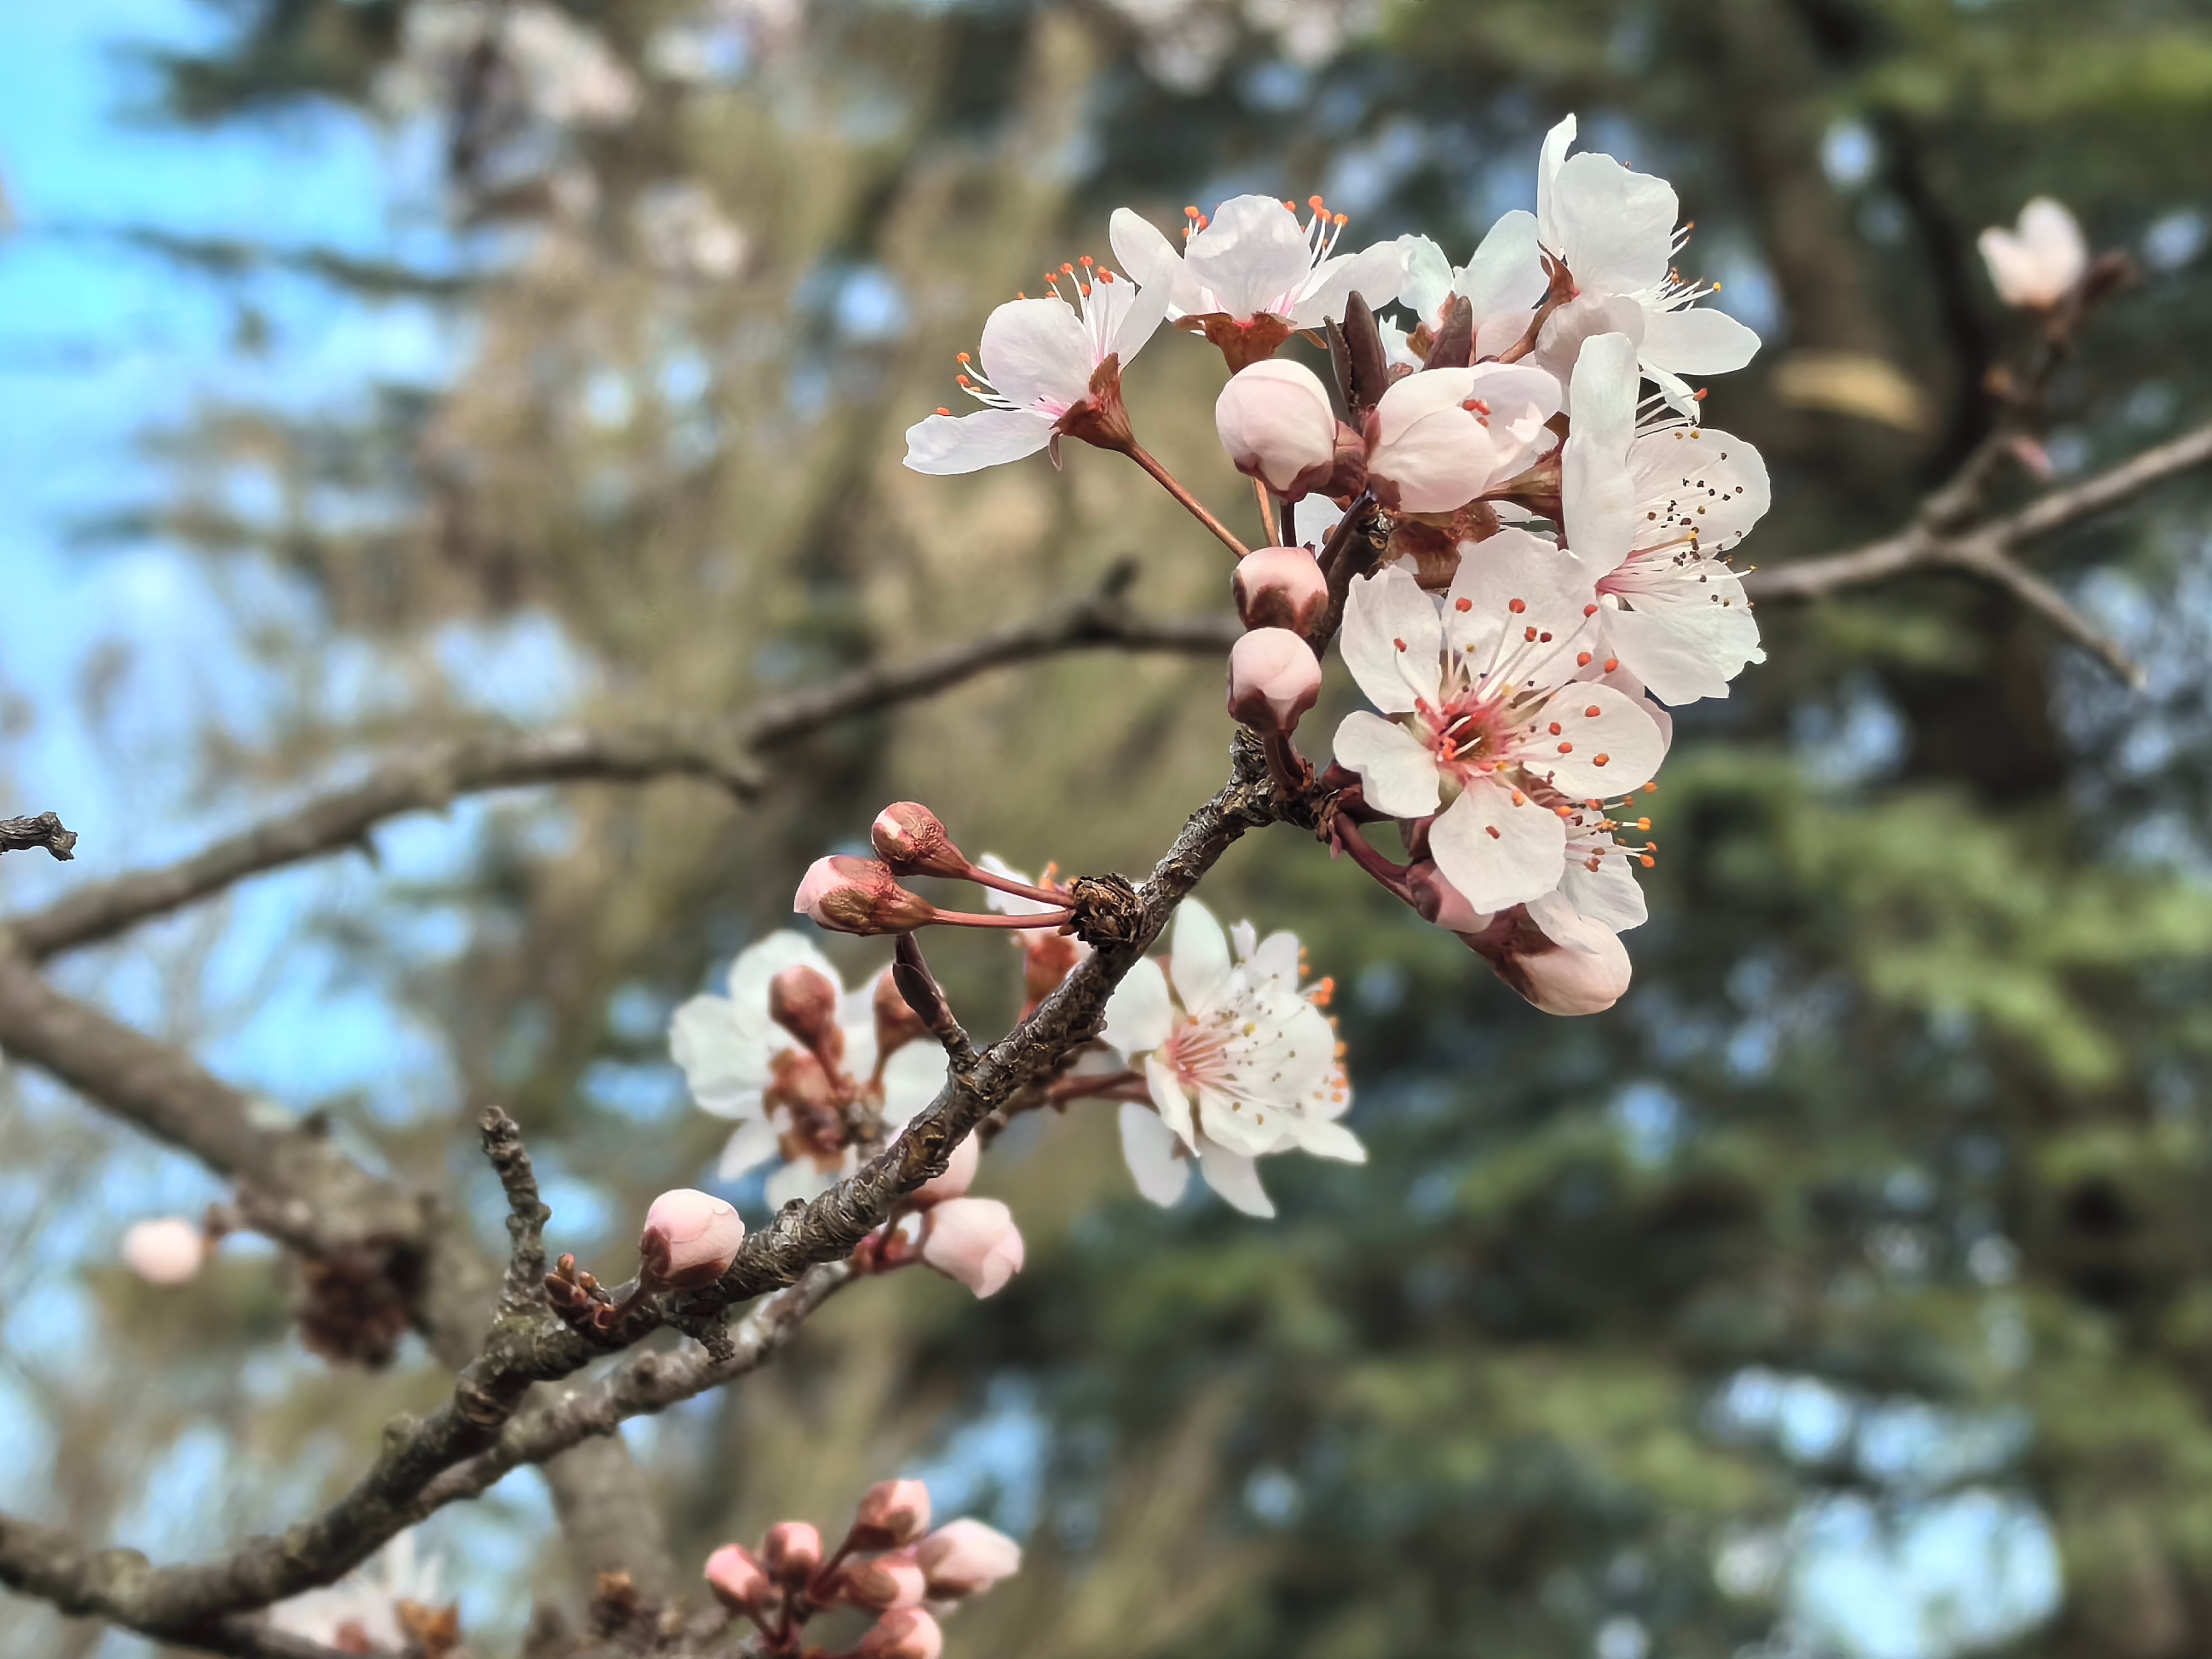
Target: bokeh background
[{"x": 1845, "y": 1290}]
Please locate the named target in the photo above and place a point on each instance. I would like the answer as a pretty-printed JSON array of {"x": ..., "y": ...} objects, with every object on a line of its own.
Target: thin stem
[
  {"x": 1375, "y": 862},
  {"x": 1137, "y": 453},
  {"x": 984, "y": 877},
  {"x": 1267, "y": 513},
  {"x": 1285, "y": 765},
  {"x": 970, "y": 919},
  {"x": 1290, "y": 524},
  {"x": 1110, "y": 1083}
]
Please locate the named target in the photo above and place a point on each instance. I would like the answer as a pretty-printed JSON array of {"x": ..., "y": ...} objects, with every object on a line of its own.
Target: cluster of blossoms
[{"x": 891, "y": 1566}]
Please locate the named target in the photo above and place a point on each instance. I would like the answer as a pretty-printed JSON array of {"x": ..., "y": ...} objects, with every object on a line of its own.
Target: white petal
[
  {"x": 1523, "y": 860},
  {"x": 1139, "y": 1017},
  {"x": 1253, "y": 257},
  {"x": 756, "y": 966},
  {"x": 1696, "y": 341},
  {"x": 1521, "y": 398},
  {"x": 947, "y": 446},
  {"x": 751, "y": 1146},
  {"x": 1397, "y": 773},
  {"x": 801, "y": 1180},
  {"x": 1242, "y": 1126},
  {"x": 1611, "y": 750},
  {"x": 1515, "y": 583},
  {"x": 1148, "y": 1147},
  {"x": 1375, "y": 274},
  {"x": 1244, "y": 939},
  {"x": 721, "y": 1063},
  {"x": 1276, "y": 960},
  {"x": 1609, "y": 896},
  {"x": 912, "y": 1077},
  {"x": 1236, "y": 1179},
  {"x": 1700, "y": 482},
  {"x": 1549, "y": 160},
  {"x": 1688, "y": 633},
  {"x": 1603, "y": 393},
  {"x": 1428, "y": 282},
  {"x": 1505, "y": 274},
  {"x": 1588, "y": 314},
  {"x": 1199, "y": 958},
  {"x": 1597, "y": 503},
  {"x": 1145, "y": 253},
  {"x": 1332, "y": 1141},
  {"x": 1145, "y": 310},
  {"x": 1010, "y": 904},
  {"x": 1037, "y": 353},
  {"x": 1168, "y": 1095},
  {"x": 1393, "y": 639},
  {"x": 1614, "y": 228}
]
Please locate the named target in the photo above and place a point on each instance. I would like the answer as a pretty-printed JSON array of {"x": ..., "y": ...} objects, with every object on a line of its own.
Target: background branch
[{"x": 20, "y": 835}]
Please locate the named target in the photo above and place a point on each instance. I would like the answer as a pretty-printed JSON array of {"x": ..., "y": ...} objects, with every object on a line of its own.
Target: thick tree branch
[
  {"x": 20, "y": 835},
  {"x": 727, "y": 752},
  {"x": 523, "y": 1349},
  {"x": 1930, "y": 543}
]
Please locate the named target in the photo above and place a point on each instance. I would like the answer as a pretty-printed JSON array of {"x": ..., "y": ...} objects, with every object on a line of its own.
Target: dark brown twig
[{"x": 21, "y": 835}]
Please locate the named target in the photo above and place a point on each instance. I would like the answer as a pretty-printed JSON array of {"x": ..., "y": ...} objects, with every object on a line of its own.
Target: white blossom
[
  {"x": 362, "y": 1607},
  {"x": 788, "y": 1107},
  {"x": 2037, "y": 263},
  {"x": 1239, "y": 1060}
]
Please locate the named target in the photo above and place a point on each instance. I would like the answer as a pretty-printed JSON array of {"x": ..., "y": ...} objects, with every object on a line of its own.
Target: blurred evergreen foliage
[{"x": 1904, "y": 1122}]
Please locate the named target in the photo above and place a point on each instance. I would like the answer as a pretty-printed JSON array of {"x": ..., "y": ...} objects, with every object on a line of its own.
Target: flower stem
[
  {"x": 1137, "y": 453},
  {"x": 1374, "y": 861},
  {"x": 1267, "y": 513},
  {"x": 971, "y": 919},
  {"x": 984, "y": 877}
]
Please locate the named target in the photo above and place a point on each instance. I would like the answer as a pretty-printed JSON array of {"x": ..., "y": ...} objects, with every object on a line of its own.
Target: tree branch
[
  {"x": 727, "y": 752},
  {"x": 1930, "y": 544},
  {"x": 20, "y": 835}
]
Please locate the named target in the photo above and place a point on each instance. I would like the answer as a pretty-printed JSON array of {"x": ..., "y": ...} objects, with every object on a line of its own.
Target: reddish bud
[
  {"x": 1274, "y": 677},
  {"x": 893, "y": 1512},
  {"x": 1280, "y": 587},
  {"x": 966, "y": 1557},
  {"x": 896, "y": 1023},
  {"x": 908, "y": 1633},
  {"x": 1568, "y": 965},
  {"x": 804, "y": 1001},
  {"x": 959, "y": 1175},
  {"x": 859, "y": 895},
  {"x": 911, "y": 839},
  {"x": 1441, "y": 903},
  {"x": 887, "y": 1582},
  {"x": 1275, "y": 420},
  {"x": 975, "y": 1241},
  {"x": 690, "y": 1239},
  {"x": 735, "y": 1575},
  {"x": 793, "y": 1550}
]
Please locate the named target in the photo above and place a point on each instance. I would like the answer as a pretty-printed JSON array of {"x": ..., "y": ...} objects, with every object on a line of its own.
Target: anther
[
  {"x": 1582, "y": 659},
  {"x": 1590, "y": 713},
  {"x": 1612, "y": 663},
  {"x": 1517, "y": 606},
  {"x": 1462, "y": 605}
]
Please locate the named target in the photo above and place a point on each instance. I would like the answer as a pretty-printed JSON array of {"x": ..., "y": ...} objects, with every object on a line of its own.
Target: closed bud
[
  {"x": 690, "y": 1239},
  {"x": 966, "y": 1557},
  {"x": 1570, "y": 966},
  {"x": 959, "y": 1175},
  {"x": 1274, "y": 679},
  {"x": 887, "y": 1582},
  {"x": 1441, "y": 903},
  {"x": 908, "y": 1633},
  {"x": 737, "y": 1578},
  {"x": 1276, "y": 422},
  {"x": 859, "y": 895},
  {"x": 804, "y": 1001},
  {"x": 975, "y": 1241},
  {"x": 893, "y": 1512},
  {"x": 1280, "y": 587},
  {"x": 911, "y": 839},
  {"x": 793, "y": 1550},
  {"x": 168, "y": 1251}
]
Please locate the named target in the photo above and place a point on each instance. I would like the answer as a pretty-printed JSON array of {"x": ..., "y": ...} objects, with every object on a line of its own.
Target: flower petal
[
  {"x": 1143, "y": 249},
  {"x": 1199, "y": 958},
  {"x": 1252, "y": 257},
  {"x": 1392, "y": 640},
  {"x": 1615, "y": 228},
  {"x": 1696, "y": 341},
  {"x": 1397, "y": 773},
  {"x": 802, "y": 1179},
  {"x": 1148, "y": 1147},
  {"x": 912, "y": 1077},
  {"x": 1038, "y": 354},
  {"x": 1549, "y": 160},
  {"x": 1139, "y": 1016},
  {"x": 722, "y": 1065},
  {"x": 1687, "y": 631},
  {"x": 1375, "y": 274},
  {"x": 1699, "y": 481},
  {"x": 947, "y": 446},
  {"x": 1236, "y": 1178},
  {"x": 1428, "y": 282},
  {"x": 1168, "y": 1095},
  {"x": 1321, "y": 1139},
  {"x": 1521, "y": 860},
  {"x": 753, "y": 1143},
  {"x": 1607, "y": 744},
  {"x": 1512, "y": 590},
  {"x": 1506, "y": 274},
  {"x": 1609, "y": 896}
]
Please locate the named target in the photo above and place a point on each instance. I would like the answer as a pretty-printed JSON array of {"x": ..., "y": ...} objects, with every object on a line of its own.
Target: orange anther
[
  {"x": 1591, "y": 713},
  {"x": 1589, "y": 610},
  {"x": 1612, "y": 663},
  {"x": 1566, "y": 749},
  {"x": 1517, "y": 606},
  {"x": 1520, "y": 799},
  {"x": 961, "y": 357},
  {"x": 1528, "y": 635},
  {"x": 1555, "y": 728},
  {"x": 942, "y": 410},
  {"x": 1599, "y": 760},
  {"x": 1462, "y": 605},
  {"x": 1494, "y": 836},
  {"x": 1401, "y": 644},
  {"x": 1647, "y": 861},
  {"x": 1582, "y": 659},
  {"x": 1088, "y": 260},
  {"x": 1651, "y": 788}
]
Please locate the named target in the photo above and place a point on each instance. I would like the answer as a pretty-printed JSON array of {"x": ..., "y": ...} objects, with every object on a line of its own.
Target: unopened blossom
[
  {"x": 859, "y": 896},
  {"x": 1492, "y": 716},
  {"x": 360, "y": 1611},
  {"x": 886, "y": 1582},
  {"x": 973, "y": 1241},
  {"x": 913, "y": 840},
  {"x": 905, "y": 1633},
  {"x": 966, "y": 1557},
  {"x": 1615, "y": 231},
  {"x": 1280, "y": 587},
  {"x": 1274, "y": 679},
  {"x": 736, "y": 1576},
  {"x": 1253, "y": 274},
  {"x": 691, "y": 1238},
  {"x": 959, "y": 1176},
  {"x": 166, "y": 1251},
  {"x": 1651, "y": 518},
  {"x": 1277, "y": 424},
  {"x": 2038, "y": 263},
  {"x": 792, "y": 1551},
  {"x": 890, "y": 1513},
  {"x": 1440, "y": 438},
  {"x": 1239, "y": 1061},
  {"x": 1565, "y": 965},
  {"x": 789, "y": 1106},
  {"x": 1049, "y": 367}
]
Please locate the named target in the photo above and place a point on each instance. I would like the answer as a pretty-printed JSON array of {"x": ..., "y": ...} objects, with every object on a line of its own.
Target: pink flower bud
[
  {"x": 966, "y": 1557},
  {"x": 911, "y": 839},
  {"x": 975, "y": 1241},
  {"x": 959, "y": 1175},
  {"x": 1568, "y": 965},
  {"x": 735, "y": 1575},
  {"x": 1439, "y": 902},
  {"x": 859, "y": 895},
  {"x": 168, "y": 1251},
  {"x": 1278, "y": 425},
  {"x": 887, "y": 1582},
  {"x": 1280, "y": 587},
  {"x": 804, "y": 1001},
  {"x": 891, "y": 1513},
  {"x": 792, "y": 1551},
  {"x": 1274, "y": 677},
  {"x": 690, "y": 1240},
  {"x": 906, "y": 1633}
]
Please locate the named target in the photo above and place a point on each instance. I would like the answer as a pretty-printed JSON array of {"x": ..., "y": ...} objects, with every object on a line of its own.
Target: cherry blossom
[
  {"x": 2037, "y": 263},
  {"x": 976, "y": 1242},
  {"x": 1502, "y": 282},
  {"x": 1274, "y": 679},
  {"x": 1615, "y": 231},
  {"x": 966, "y": 1557},
  {"x": 1491, "y": 718},
  {"x": 1651, "y": 518},
  {"x": 1251, "y": 276},
  {"x": 1049, "y": 366},
  {"x": 169, "y": 1250},
  {"x": 1238, "y": 1060},
  {"x": 360, "y": 1611},
  {"x": 789, "y": 1102}
]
